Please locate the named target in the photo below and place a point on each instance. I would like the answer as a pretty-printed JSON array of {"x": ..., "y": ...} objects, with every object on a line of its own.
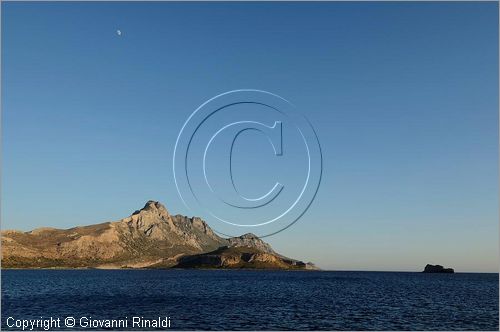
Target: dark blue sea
[{"x": 255, "y": 300}]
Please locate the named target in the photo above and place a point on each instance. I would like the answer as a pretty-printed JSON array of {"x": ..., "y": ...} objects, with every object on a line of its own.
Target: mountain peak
[
  {"x": 154, "y": 207},
  {"x": 250, "y": 240}
]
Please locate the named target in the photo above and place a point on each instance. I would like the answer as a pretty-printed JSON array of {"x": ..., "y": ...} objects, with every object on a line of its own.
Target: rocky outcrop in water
[
  {"x": 242, "y": 257},
  {"x": 437, "y": 269},
  {"x": 150, "y": 237}
]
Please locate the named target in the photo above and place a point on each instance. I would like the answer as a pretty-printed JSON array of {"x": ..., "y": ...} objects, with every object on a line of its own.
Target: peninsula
[{"x": 149, "y": 238}]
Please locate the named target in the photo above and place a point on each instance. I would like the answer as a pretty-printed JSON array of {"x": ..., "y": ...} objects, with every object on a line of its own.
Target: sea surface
[{"x": 256, "y": 300}]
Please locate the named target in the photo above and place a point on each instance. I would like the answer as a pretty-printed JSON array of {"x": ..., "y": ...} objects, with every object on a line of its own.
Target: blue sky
[{"x": 403, "y": 97}]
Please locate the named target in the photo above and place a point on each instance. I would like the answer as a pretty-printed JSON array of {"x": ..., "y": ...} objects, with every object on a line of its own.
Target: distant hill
[{"x": 149, "y": 238}]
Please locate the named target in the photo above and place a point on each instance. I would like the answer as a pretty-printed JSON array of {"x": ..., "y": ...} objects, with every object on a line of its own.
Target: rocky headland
[{"x": 149, "y": 238}]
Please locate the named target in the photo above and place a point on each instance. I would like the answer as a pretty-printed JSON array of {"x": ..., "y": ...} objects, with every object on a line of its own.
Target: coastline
[{"x": 229, "y": 269}]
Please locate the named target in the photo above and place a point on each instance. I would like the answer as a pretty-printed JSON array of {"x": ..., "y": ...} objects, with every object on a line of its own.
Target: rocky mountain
[{"x": 150, "y": 237}]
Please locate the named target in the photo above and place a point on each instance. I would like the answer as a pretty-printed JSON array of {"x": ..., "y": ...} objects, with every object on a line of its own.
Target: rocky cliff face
[{"x": 150, "y": 237}]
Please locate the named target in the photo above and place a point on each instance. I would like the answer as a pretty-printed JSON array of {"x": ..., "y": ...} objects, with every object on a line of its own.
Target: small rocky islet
[{"x": 429, "y": 268}]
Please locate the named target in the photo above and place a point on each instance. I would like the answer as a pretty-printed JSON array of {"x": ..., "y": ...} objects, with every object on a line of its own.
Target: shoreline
[{"x": 219, "y": 269}]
